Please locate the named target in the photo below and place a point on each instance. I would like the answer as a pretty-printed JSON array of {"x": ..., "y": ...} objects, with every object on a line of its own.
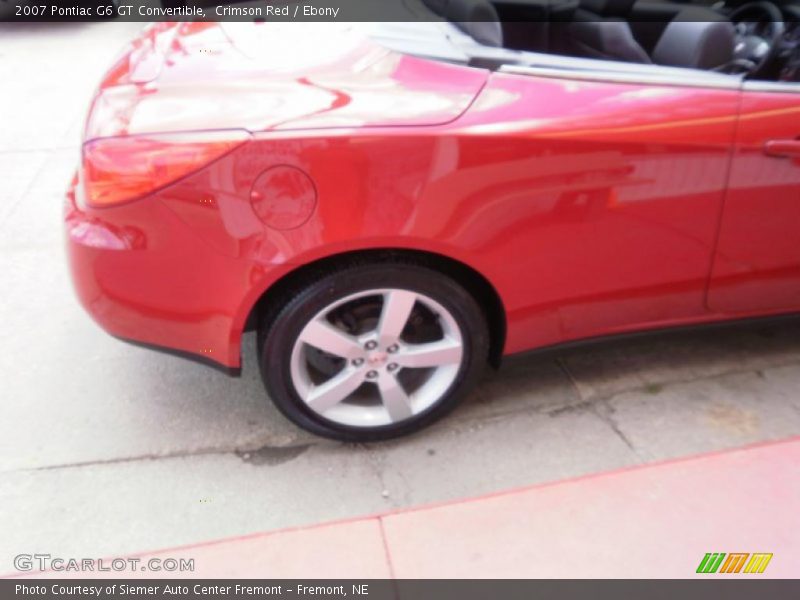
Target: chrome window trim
[
  {"x": 784, "y": 87},
  {"x": 658, "y": 76}
]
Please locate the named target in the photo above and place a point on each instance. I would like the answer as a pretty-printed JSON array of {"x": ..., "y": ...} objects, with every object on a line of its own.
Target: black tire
[{"x": 280, "y": 329}]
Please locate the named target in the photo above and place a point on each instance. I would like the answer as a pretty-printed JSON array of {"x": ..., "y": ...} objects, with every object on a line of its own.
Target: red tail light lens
[{"x": 120, "y": 169}]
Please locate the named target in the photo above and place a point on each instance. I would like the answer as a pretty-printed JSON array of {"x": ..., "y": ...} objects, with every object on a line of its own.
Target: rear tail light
[{"x": 121, "y": 169}]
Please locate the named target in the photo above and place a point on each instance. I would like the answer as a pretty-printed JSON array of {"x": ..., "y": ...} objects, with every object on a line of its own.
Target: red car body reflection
[{"x": 590, "y": 207}]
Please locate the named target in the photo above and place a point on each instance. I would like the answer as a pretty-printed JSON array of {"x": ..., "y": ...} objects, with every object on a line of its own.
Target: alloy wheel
[{"x": 377, "y": 357}]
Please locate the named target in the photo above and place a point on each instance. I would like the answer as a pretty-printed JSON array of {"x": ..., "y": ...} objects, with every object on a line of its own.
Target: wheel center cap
[{"x": 377, "y": 358}]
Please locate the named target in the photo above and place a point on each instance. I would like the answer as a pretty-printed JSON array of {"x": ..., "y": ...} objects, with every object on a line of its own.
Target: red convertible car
[{"x": 393, "y": 206}]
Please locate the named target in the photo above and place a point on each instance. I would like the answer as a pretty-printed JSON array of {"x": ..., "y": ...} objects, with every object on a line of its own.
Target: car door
[
  {"x": 757, "y": 262},
  {"x": 606, "y": 188}
]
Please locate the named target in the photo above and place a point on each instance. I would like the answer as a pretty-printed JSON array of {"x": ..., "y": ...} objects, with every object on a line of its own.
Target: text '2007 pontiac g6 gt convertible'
[{"x": 393, "y": 206}]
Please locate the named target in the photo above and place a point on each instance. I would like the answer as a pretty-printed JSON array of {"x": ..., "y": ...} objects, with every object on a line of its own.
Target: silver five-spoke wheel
[
  {"x": 366, "y": 351},
  {"x": 376, "y": 357}
]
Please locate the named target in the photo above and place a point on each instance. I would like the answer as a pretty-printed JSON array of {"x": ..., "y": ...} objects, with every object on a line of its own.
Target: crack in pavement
[
  {"x": 272, "y": 455},
  {"x": 600, "y": 407},
  {"x": 648, "y": 387},
  {"x": 377, "y": 469},
  {"x": 260, "y": 454},
  {"x": 605, "y": 412}
]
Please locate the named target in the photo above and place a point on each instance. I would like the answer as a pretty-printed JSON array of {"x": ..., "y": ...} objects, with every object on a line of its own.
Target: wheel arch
[{"x": 467, "y": 276}]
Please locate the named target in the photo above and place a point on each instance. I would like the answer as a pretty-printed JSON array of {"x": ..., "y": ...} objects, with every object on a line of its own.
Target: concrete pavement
[
  {"x": 654, "y": 521},
  {"x": 106, "y": 449}
]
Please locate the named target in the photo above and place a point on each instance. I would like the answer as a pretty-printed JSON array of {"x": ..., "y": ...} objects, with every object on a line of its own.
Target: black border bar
[
  {"x": 741, "y": 587},
  {"x": 530, "y": 11}
]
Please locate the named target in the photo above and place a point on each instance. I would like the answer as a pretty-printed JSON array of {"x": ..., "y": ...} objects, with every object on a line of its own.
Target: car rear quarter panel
[{"x": 591, "y": 207}]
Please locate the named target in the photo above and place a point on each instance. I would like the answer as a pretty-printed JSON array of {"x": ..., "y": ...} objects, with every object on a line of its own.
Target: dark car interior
[{"x": 759, "y": 39}]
